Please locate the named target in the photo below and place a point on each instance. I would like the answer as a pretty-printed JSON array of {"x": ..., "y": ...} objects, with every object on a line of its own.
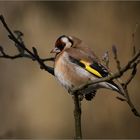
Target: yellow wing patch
[{"x": 88, "y": 68}]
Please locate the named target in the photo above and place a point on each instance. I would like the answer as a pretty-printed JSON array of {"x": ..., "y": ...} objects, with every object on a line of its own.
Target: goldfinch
[{"x": 75, "y": 64}]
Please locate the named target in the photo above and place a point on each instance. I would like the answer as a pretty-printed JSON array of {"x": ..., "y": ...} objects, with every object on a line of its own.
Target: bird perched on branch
[{"x": 76, "y": 64}]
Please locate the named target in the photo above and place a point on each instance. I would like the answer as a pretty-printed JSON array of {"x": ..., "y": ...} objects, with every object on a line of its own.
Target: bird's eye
[{"x": 60, "y": 45}]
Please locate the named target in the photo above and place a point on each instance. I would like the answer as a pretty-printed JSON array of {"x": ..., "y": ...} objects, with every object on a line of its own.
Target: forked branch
[{"x": 23, "y": 50}]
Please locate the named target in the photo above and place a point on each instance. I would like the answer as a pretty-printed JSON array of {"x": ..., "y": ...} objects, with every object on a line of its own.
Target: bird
[{"x": 76, "y": 63}]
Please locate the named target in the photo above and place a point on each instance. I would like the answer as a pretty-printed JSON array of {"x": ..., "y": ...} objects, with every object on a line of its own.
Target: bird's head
[{"x": 62, "y": 43}]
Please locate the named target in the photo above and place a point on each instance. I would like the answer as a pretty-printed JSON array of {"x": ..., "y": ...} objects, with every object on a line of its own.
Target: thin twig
[
  {"x": 133, "y": 109},
  {"x": 133, "y": 39},
  {"x": 114, "y": 50},
  {"x": 105, "y": 59},
  {"x": 21, "y": 45},
  {"x": 132, "y": 75}
]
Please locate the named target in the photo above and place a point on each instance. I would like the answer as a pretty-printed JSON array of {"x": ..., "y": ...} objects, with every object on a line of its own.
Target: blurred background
[{"x": 32, "y": 103}]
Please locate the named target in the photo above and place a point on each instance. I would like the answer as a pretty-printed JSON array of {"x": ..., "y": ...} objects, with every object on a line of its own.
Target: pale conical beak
[{"x": 55, "y": 50}]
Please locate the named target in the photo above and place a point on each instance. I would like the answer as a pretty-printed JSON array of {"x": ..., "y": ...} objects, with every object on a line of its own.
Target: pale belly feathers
[{"x": 69, "y": 74}]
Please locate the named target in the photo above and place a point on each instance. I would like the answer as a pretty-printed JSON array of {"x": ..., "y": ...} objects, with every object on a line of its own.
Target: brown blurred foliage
[{"x": 32, "y": 103}]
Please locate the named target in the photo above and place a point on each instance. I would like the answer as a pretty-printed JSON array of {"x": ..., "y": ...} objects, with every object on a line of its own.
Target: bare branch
[
  {"x": 133, "y": 39},
  {"x": 121, "y": 99},
  {"x": 132, "y": 75},
  {"x": 23, "y": 51},
  {"x": 114, "y": 50},
  {"x": 105, "y": 59},
  {"x": 133, "y": 109},
  {"x": 77, "y": 117}
]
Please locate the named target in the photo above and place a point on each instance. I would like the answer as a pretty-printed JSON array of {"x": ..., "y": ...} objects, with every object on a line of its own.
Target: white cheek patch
[{"x": 67, "y": 42}]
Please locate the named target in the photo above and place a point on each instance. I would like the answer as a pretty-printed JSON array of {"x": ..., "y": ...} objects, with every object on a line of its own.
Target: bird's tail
[{"x": 116, "y": 87}]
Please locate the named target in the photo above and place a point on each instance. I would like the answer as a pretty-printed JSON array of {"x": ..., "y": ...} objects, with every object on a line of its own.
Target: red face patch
[{"x": 59, "y": 44}]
